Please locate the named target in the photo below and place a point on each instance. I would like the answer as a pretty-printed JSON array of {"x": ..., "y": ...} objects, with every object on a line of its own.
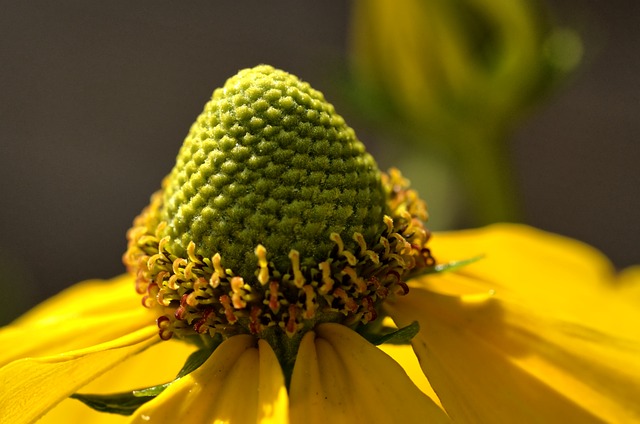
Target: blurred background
[{"x": 497, "y": 110}]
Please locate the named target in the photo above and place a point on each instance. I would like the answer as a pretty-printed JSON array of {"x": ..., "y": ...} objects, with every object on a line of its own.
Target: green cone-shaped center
[{"x": 270, "y": 162}]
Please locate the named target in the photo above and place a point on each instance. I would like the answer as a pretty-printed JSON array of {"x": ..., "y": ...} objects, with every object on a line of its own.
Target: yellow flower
[
  {"x": 538, "y": 330},
  {"x": 456, "y": 76},
  {"x": 461, "y": 67}
]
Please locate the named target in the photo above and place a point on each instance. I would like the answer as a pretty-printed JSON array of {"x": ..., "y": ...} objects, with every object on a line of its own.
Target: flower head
[
  {"x": 277, "y": 256},
  {"x": 274, "y": 219}
]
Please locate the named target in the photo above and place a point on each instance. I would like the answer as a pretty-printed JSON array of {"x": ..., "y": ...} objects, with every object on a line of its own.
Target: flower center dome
[{"x": 269, "y": 162}]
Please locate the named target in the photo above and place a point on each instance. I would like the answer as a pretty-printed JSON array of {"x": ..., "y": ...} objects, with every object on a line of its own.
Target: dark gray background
[{"x": 98, "y": 96}]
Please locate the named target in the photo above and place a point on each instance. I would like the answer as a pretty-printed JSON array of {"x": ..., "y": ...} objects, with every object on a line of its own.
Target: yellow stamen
[
  {"x": 298, "y": 278},
  {"x": 219, "y": 271},
  {"x": 327, "y": 281},
  {"x": 237, "y": 285},
  {"x": 353, "y": 276},
  {"x": 263, "y": 275},
  {"x": 191, "y": 253},
  {"x": 335, "y": 237},
  {"x": 310, "y": 305}
]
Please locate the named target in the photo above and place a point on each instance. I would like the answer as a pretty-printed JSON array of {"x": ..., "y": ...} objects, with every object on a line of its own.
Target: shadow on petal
[
  {"x": 406, "y": 357},
  {"x": 239, "y": 383},
  {"x": 156, "y": 365},
  {"x": 341, "y": 378},
  {"x": 494, "y": 361}
]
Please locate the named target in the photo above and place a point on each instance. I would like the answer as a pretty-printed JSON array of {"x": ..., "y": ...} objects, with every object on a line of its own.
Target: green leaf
[
  {"x": 390, "y": 335},
  {"x": 194, "y": 360},
  {"x": 126, "y": 403},
  {"x": 116, "y": 403},
  {"x": 198, "y": 357}
]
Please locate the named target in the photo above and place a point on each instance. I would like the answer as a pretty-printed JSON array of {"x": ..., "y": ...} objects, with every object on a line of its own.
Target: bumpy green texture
[{"x": 270, "y": 162}]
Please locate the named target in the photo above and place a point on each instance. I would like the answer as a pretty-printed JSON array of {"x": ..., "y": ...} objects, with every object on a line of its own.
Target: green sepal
[
  {"x": 446, "y": 267},
  {"x": 126, "y": 403},
  {"x": 399, "y": 336}
]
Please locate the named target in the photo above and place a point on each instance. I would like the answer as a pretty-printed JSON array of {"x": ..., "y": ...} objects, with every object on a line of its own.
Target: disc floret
[{"x": 274, "y": 219}]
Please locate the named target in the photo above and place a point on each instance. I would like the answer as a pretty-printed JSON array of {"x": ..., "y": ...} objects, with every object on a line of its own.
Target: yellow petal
[
  {"x": 75, "y": 412},
  {"x": 341, "y": 378},
  {"x": 156, "y": 365},
  {"x": 239, "y": 383},
  {"x": 30, "y": 387},
  {"x": 84, "y": 315},
  {"x": 40, "y": 340},
  {"x": 273, "y": 399},
  {"x": 406, "y": 357},
  {"x": 536, "y": 270},
  {"x": 537, "y": 331},
  {"x": 92, "y": 297},
  {"x": 629, "y": 283},
  {"x": 522, "y": 260}
]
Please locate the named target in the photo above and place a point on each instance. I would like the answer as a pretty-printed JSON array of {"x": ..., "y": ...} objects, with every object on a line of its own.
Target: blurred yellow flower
[{"x": 457, "y": 76}]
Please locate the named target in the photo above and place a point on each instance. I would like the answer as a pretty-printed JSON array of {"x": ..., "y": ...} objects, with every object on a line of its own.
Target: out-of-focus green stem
[
  {"x": 481, "y": 160},
  {"x": 486, "y": 173},
  {"x": 460, "y": 75}
]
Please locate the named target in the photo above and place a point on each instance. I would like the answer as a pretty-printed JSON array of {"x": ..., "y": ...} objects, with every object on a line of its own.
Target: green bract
[{"x": 269, "y": 162}]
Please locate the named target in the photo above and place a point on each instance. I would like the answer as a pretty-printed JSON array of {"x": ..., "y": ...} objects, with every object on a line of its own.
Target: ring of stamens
[{"x": 197, "y": 295}]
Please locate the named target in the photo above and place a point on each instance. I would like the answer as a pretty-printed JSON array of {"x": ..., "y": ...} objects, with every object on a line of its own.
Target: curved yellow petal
[
  {"x": 406, "y": 357},
  {"x": 84, "y": 315},
  {"x": 239, "y": 383},
  {"x": 341, "y": 378},
  {"x": 536, "y": 330},
  {"x": 156, "y": 365},
  {"x": 629, "y": 283},
  {"x": 32, "y": 386}
]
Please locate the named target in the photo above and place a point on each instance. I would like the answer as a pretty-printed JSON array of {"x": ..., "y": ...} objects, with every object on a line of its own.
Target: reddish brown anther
[
  {"x": 274, "y": 304},
  {"x": 164, "y": 325},
  {"x": 291, "y": 326},
  {"x": 201, "y": 325},
  {"x": 254, "y": 320}
]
